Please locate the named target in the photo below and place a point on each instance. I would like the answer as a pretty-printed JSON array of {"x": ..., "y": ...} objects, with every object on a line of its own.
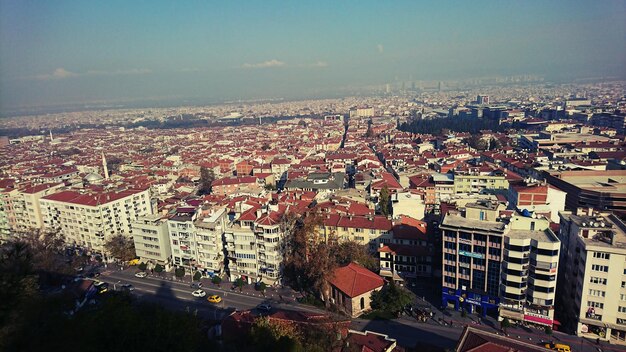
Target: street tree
[
  {"x": 216, "y": 280},
  {"x": 121, "y": 247},
  {"x": 391, "y": 298},
  {"x": 197, "y": 276},
  {"x": 179, "y": 272}
]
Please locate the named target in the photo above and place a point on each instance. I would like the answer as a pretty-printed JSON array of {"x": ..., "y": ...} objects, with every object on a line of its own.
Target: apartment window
[
  {"x": 623, "y": 284},
  {"x": 601, "y": 255},
  {"x": 622, "y": 297},
  {"x": 596, "y": 293},
  {"x": 599, "y": 280},
  {"x": 596, "y": 267},
  {"x": 595, "y": 304},
  {"x": 621, "y": 309}
]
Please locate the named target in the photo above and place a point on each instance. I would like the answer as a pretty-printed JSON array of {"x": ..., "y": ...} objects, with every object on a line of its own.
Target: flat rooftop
[
  {"x": 453, "y": 220},
  {"x": 540, "y": 236},
  {"x": 611, "y": 181}
]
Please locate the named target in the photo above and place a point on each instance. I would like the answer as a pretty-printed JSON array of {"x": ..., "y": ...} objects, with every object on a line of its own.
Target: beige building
[
  {"x": 89, "y": 219},
  {"x": 593, "y": 288},
  {"x": 152, "y": 241}
]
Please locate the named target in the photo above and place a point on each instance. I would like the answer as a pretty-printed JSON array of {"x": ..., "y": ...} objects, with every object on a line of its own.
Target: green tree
[
  {"x": 391, "y": 298},
  {"x": 261, "y": 287},
  {"x": 179, "y": 272},
  {"x": 121, "y": 247},
  {"x": 206, "y": 180},
  {"x": 505, "y": 324},
  {"x": 239, "y": 283},
  {"x": 216, "y": 280},
  {"x": 159, "y": 268},
  {"x": 548, "y": 330},
  {"x": 197, "y": 276},
  {"x": 142, "y": 266},
  {"x": 384, "y": 201}
]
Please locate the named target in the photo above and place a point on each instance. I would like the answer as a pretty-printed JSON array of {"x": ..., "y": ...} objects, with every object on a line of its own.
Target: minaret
[
  {"x": 259, "y": 120},
  {"x": 51, "y": 139},
  {"x": 104, "y": 166}
]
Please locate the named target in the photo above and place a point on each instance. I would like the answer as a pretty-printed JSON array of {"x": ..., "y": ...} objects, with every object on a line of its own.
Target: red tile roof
[{"x": 355, "y": 280}]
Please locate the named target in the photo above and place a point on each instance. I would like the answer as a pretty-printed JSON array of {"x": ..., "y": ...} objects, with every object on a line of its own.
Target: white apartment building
[
  {"x": 529, "y": 271},
  {"x": 253, "y": 241},
  {"x": 90, "y": 218},
  {"x": 593, "y": 285},
  {"x": 196, "y": 239},
  {"x": 152, "y": 240}
]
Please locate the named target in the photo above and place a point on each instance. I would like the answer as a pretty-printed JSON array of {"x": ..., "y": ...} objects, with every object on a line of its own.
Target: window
[
  {"x": 595, "y": 304},
  {"x": 596, "y": 267},
  {"x": 621, "y": 309},
  {"x": 598, "y": 280},
  {"x": 622, "y": 297},
  {"x": 362, "y": 303},
  {"x": 597, "y": 293},
  {"x": 601, "y": 255}
]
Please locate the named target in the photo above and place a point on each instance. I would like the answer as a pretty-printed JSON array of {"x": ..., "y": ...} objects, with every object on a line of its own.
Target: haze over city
[
  {"x": 74, "y": 52},
  {"x": 381, "y": 176}
]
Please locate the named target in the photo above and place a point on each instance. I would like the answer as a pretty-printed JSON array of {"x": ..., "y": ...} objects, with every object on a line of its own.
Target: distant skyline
[{"x": 71, "y": 52}]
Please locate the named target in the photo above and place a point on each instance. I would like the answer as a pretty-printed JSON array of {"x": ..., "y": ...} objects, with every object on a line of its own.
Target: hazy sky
[{"x": 59, "y": 51}]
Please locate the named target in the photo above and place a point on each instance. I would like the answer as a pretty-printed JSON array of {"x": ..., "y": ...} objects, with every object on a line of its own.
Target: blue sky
[{"x": 54, "y": 52}]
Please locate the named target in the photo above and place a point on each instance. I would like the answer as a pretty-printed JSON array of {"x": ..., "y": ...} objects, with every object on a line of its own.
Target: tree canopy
[{"x": 121, "y": 247}]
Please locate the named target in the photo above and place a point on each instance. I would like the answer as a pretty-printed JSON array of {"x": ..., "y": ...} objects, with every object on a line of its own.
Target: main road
[{"x": 177, "y": 295}]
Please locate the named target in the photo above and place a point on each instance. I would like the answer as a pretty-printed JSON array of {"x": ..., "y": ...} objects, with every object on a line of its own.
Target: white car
[
  {"x": 198, "y": 293},
  {"x": 141, "y": 274}
]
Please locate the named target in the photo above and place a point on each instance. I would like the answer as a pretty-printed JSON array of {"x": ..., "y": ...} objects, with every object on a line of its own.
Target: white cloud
[
  {"x": 265, "y": 64},
  {"x": 380, "y": 48},
  {"x": 59, "y": 73},
  {"x": 132, "y": 71},
  {"x": 319, "y": 64}
]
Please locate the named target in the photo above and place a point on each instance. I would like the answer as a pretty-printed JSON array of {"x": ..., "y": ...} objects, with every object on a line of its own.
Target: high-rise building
[
  {"x": 592, "y": 289},
  {"x": 482, "y": 99},
  {"x": 90, "y": 218},
  {"x": 491, "y": 263}
]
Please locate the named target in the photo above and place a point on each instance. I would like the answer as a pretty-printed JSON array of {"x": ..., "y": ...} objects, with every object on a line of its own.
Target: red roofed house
[
  {"x": 231, "y": 185},
  {"x": 351, "y": 289}
]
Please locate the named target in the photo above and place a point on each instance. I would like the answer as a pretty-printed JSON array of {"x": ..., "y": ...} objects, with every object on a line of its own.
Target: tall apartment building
[
  {"x": 491, "y": 263},
  {"x": 90, "y": 218},
  {"x": 253, "y": 240},
  {"x": 196, "y": 238},
  {"x": 152, "y": 240},
  {"x": 593, "y": 286}
]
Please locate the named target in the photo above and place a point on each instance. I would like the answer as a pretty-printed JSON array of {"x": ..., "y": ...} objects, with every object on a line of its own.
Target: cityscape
[{"x": 293, "y": 201}]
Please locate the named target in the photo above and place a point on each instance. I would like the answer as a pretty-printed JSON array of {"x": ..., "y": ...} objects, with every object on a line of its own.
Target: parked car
[
  {"x": 102, "y": 286},
  {"x": 141, "y": 274},
  {"x": 196, "y": 285},
  {"x": 133, "y": 262},
  {"x": 198, "y": 293},
  {"x": 264, "y": 307},
  {"x": 214, "y": 299},
  {"x": 127, "y": 287},
  {"x": 557, "y": 347}
]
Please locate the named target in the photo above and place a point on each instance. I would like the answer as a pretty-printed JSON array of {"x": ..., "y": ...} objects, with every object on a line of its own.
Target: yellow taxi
[
  {"x": 134, "y": 261},
  {"x": 558, "y": 347},
  {"x": 214, "y": 299}
]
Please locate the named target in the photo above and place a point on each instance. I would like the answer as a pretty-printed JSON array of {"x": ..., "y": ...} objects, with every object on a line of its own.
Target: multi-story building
[
  {"x": 593, "y": 286},
  {"x": 152, "y": 240},
  {"x": 476, "y": 182},
  {"x": 90, "y": 218},
  {"x": 490, "y": 263},
  {"x": 529, "y": 271},
  {"x": 196, "y": 238}
]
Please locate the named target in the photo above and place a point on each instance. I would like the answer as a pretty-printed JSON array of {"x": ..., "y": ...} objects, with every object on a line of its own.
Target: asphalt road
[{"x": 176, "y": 295}]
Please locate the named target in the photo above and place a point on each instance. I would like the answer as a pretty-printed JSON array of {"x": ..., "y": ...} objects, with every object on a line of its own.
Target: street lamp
[{"x": 114, "y": 285}]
